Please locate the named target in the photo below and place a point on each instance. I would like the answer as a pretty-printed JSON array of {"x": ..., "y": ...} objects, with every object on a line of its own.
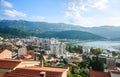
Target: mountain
[
  {"x": 11, "y": 32},
  {"x": 38, "y": 27},
  {"x": 71, "y": 34},
  {"x": 109, "y": 32}
]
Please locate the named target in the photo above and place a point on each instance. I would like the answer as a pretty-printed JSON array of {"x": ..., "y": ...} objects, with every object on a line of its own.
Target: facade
[
  {"x": 111, "y": 61},
  {"x": 53, "y": 46},
  {"x": 22, "y": 51},
  {"x": 117, "y": 62}
]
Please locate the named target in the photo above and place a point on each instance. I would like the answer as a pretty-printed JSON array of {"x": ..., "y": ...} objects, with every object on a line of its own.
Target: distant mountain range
[
  {"x": 71, "y": 34},
  {"x": 11, "y": 32},
  {"x": 59, "y": 30}
]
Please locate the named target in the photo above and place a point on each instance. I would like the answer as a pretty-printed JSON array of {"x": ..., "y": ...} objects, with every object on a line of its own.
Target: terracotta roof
[
  {"x": 35, "y": 72},
  {"x": 8, "y": 63},
  {"x": 99, "y": 74},
  {"x": 51, "y": 69},
  {"x": 31, "y": 52},
  {"x": 1, "y": 50}
]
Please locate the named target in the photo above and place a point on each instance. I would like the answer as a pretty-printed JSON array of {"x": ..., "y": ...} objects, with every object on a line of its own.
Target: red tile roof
[
  {"x": 35, "y": 72},
  {"x": 99, "y": 74},
  {"x": 8, "y": 63},
  {"x": 1, "y": 50}
]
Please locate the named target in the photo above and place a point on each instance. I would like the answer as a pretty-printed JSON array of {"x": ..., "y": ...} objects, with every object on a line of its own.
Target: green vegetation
[
  {"x": 45, "y": 30},
  {"x": 97, "y": 64},
  {"x": 95, "y": 51},
  {"x": 80, "y": 69},
  {"x": 12, "y": 32},
  {"x": 1, "y": 46},
  {"x": 114, "y": 53},
  {"x": 74, "y": 75},
  {"x": 71, "y": 34},
  {"x": 75, "y": 49}
]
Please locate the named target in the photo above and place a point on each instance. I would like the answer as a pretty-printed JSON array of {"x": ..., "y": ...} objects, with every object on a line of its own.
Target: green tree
[
  {"x": 74, "y": 75},
  {"x": 1, "y": 46},
  {"x": 114, "y": 53},
  {"x": 97, "y": 64},
  {"x": 95, "y": 51}
]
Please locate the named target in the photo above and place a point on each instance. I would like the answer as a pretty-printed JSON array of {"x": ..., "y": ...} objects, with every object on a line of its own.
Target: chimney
[
  {"x": 41, "y": 63},
  {"x": 42, "y": 74}
]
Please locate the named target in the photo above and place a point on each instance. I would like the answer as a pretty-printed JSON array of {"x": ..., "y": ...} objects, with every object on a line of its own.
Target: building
[
  {"x": 111, "y": 62},
  {"x": 35, "y": 71},
  {"x": 74, "y": 59},
  {"x": 22, "y": 51},
  {"x": 53, "y": 46},
  {"x": 9, "y": 46},
  {"x": 29, "y": 55},
  {"x": 94, "y": 73},
  {"x": 5, "y": 54},
  {"x": 117, "y": 62},
  {"x": 19, "y": 68},
  {"x": 8, "y": 65}
]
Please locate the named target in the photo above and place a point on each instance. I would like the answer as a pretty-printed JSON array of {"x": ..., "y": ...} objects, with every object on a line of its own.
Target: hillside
[
  {"x": 38, "y": 27},
  {"x": 71, "y": 35},
  {"x": 11, "y": 32},
  {"x": 109, "y": 32}
]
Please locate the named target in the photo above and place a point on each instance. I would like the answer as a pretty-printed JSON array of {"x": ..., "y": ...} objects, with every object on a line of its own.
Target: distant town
[{"x": 50, "y": 57}]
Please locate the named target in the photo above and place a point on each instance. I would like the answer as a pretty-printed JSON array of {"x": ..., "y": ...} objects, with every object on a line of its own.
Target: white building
[
  {"x": 54, "y": 46},
  {"x": 22, "y": 51},
  {"x": 20, "y": 43}
]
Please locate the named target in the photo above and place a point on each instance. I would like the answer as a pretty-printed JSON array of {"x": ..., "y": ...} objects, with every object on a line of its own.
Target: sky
[{"x": 87, "y": 13}]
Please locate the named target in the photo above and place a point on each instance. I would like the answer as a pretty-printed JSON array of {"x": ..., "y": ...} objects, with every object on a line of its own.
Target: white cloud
[
  {"x": 77, "y": 8},
  {"x": 99, "y": 4},
  {"x": 6, "y": 4},
  {"x": 14, "y": 13}
]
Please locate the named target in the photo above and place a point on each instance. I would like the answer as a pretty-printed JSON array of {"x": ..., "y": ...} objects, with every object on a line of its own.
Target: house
[
  {"x": 22, "y": 51},
  {"x": 115, "y": 71},
  {"x": 8, "y": 65},
  {"x": 117, "y": 62},
  {"x": 37, "y": 71},
  {"x": 94, "y": 73},
  {"x": 111, "y": 61},
  {"x": 5, "y": 54},
  {"x": 29, "y": 55},
  {"x": 74, "y": 59},
  {"x": 9, "y": 46}
]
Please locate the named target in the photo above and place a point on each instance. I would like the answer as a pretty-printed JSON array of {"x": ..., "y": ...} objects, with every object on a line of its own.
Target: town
[{"x": 44, "y": 57}]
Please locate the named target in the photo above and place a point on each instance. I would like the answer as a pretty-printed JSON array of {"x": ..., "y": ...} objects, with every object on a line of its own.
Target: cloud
[
  {"x": 77, "y": 8},
  {"x": 99, "y": 4},
  {"x": 14, "y": 13},
  {"x": 6, "y": 4}
]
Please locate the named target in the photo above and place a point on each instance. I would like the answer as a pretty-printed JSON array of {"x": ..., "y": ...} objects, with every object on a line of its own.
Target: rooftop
[
  {"x": 94, "y": 73},
  {"x": 34, "y": 71},
  {"x": 8, "y": 63}
]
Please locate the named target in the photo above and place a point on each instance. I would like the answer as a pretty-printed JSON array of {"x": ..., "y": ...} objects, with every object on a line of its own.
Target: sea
[{"x": 108, "y": 45}]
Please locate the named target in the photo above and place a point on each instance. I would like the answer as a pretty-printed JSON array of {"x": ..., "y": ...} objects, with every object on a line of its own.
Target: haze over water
[{"x": 109, "y": 45}]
